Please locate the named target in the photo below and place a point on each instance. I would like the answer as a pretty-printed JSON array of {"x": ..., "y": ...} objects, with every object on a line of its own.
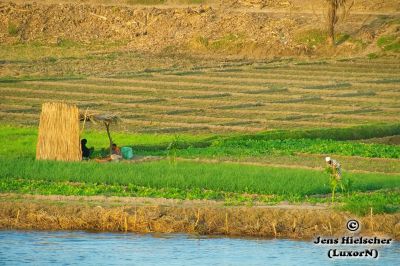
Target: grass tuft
[
  {"x": 13, "y": 29},
  {"x": 389, "y": 43}
]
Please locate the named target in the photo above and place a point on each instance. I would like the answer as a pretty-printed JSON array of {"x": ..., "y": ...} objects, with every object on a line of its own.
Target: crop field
[
  {"x": 231, "y": 182},
  {"x": 237, "y": 169},
  {"x": 242, "y": 98},
  {"x": 239, "y": 132}
]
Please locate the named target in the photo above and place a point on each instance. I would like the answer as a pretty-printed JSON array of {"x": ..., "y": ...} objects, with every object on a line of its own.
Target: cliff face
[{"x": 250, "y": 28}]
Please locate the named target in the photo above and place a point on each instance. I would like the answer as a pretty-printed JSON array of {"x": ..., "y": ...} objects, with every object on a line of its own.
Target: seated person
[
  {"x": 86, "y": 152},
  {"x": 115, "y": 153},
  {"x": 115, "y": 149}
]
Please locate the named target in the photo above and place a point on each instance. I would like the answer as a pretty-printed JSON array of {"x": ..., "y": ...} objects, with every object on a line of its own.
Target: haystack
[{"x": 59, "y": 133}]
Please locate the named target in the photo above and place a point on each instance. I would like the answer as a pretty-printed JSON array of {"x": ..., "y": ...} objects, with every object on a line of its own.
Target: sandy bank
[{"x": 142, "y": 215}]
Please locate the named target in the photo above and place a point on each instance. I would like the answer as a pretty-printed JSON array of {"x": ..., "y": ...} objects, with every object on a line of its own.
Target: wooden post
[
  {"x": 107, "y": 124},
  {"x": 332, "y": 20}
]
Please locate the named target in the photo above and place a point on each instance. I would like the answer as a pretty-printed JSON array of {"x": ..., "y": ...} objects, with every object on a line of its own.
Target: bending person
[
  {"x": 86, "y": 152},
  {"x": 336, "y": 168}
]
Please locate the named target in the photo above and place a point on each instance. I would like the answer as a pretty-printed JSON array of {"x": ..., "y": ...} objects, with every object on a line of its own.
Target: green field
[
  {"x": 241, "y": 132},
  {"x": 178, "y": 175}
]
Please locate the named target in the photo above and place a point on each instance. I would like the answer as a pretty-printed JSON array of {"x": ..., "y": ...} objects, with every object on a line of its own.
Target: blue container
[{"x": 127, "y": 153}]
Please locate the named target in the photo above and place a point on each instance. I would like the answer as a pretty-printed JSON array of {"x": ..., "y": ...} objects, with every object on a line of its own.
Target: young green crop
[
  {"x": 189, "y": 180},
  {"x": 251, "y": 147},
  {"x": 358, "y": 203},
  {"x": 377, "y": 202},
  {"x": 42, "y": 187},
  {"x": 20, "y": 142},
  {"x": 347, "y": 133},
  {"x": 227, "y": 177}
]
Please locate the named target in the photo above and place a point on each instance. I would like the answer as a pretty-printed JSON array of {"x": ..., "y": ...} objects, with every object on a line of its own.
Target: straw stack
[{"x": 59, "y": 133}]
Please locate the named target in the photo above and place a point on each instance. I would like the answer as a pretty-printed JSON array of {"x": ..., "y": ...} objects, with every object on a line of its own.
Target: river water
[{"x": 83, "y": 248}]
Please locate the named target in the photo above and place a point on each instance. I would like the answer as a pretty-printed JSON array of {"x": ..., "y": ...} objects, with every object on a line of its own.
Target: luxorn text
[{"x": 372, "y": 253}]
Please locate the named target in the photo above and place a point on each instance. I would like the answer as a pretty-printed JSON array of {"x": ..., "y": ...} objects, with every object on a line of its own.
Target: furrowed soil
[
  {"x": 201, "y": 66},
  {"x": 252, "y": 97},
  {"x": 142, "y": 215}
]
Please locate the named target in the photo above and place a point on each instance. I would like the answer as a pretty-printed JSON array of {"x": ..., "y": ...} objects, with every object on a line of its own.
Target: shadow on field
[{"x": 30, "y": 78}]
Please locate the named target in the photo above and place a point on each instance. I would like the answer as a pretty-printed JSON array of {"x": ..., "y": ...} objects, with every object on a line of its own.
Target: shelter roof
[{"x": 99, "y": 117}]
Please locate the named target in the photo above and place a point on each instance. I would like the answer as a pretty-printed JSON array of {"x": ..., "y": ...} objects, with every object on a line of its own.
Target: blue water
[{"x": 83, "y": 248}]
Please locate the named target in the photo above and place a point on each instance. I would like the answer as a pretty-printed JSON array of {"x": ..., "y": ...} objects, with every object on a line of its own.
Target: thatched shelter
[
  {"x": 58, "y": 137},
  {"x": 59, "y": 131},
  {"x": 106, "y": 119}
]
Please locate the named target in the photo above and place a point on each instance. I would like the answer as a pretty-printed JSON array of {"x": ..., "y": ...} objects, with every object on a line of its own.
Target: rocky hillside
[{"x": 245, "y": 28}]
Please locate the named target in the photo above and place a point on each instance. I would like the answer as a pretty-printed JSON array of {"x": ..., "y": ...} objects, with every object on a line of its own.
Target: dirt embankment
[
  {"x": 170, "y": 216},
  {"x": 247, "y": 28}
]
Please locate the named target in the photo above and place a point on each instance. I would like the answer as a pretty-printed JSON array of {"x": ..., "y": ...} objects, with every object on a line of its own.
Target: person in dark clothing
[{"x": 85, "y": 150}]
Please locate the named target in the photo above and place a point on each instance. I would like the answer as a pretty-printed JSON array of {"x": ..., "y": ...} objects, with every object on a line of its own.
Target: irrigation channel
[{"x": 78, "y": 247}]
